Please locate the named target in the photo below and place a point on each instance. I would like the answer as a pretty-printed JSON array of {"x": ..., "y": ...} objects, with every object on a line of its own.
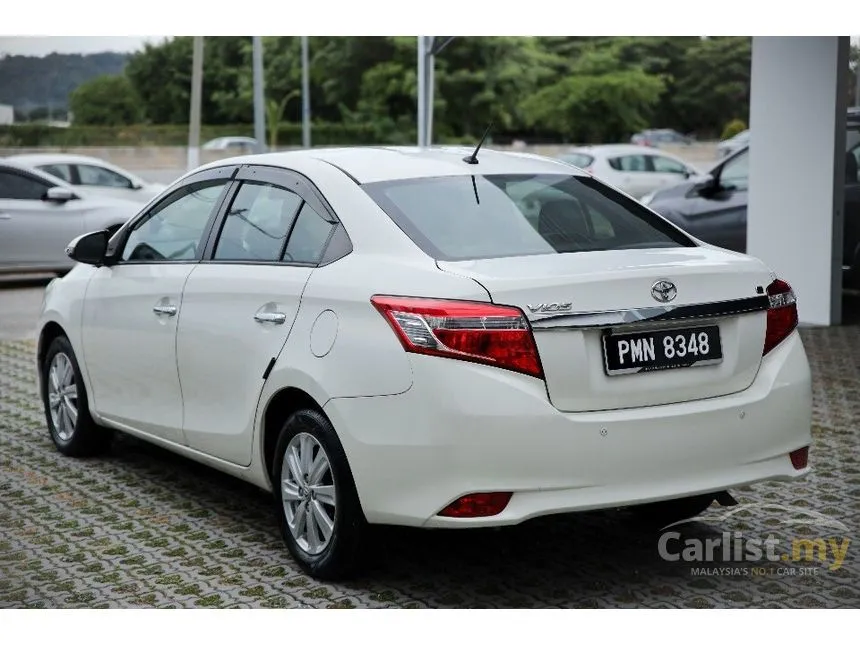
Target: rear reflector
[
  {"x": 800, "y": 458},
  {"x": 470, "y": 331},
  {"x": 781, "y": 316},
  {"x": 477, "y": 505}
]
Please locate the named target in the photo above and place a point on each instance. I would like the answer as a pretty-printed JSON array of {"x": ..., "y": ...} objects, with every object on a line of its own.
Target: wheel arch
[{"x": 278, "y": 409}]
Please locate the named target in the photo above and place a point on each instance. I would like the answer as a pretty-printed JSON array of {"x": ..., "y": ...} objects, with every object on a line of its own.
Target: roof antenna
[{"x": 473, "y": 158}]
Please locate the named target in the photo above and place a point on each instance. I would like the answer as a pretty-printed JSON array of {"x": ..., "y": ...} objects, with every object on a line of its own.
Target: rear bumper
[{"x": 465, "y": 428}]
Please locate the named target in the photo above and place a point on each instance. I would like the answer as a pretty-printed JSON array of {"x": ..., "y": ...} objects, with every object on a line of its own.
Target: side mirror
[
  {"x": 89, "y": 248},
  {"x": 706, "y": 186},
  {"x": 59, "y": 194}
]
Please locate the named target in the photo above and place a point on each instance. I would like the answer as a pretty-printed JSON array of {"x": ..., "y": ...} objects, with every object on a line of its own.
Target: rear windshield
[{"x": 492, "y": 216}]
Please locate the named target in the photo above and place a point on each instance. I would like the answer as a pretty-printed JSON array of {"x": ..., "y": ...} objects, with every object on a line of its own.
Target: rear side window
[
  {"x": 59, "y": 170},
  {"x": 629, "y": 163},
  {"x": 490, "y": 216},
  {"x": 309, "y": 237},
  {"x": 257, "y": 223}
]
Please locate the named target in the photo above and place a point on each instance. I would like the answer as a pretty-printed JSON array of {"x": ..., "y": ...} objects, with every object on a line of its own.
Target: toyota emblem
[{"x": 663, "y": 291}]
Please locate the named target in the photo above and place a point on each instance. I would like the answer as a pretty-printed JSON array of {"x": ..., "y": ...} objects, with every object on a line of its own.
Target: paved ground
[{"x": 141, "y": 527}]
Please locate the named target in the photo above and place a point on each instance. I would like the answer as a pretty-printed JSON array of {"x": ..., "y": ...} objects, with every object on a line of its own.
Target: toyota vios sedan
[{"x": 426, "y": 337}]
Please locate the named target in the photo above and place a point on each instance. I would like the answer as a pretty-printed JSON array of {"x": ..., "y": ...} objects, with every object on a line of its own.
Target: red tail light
[
  {"x": 800, "y": 458},
  {"x": 781, "y": 315},
  {"x": 477, "y": 505},
  {"x": 469, "y": 331}
]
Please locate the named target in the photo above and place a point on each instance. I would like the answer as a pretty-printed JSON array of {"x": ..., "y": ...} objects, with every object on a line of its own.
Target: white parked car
[
  {"x": 40, "y": 214},
  {"x": 93, "y": 174},
  {"x": 236, "y": 145},
  {"x": 403, "y": 336},
  {"x": 637, "y": 170}
]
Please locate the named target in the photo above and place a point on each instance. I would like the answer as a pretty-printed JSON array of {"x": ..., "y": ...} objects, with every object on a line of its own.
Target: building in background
[{"x": 7, "y": 114}]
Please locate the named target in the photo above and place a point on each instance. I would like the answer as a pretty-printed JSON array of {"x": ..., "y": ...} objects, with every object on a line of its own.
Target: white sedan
[
  {"x": 417, "y": 337},
  {"x": 93, "y": 174},
  {"x": 637, "y": 170}
]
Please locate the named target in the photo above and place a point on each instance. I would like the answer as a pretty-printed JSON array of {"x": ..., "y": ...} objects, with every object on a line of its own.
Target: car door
[
  {"x": 34, "y": 231},
  {"x": 132, "y": 306},
  {"x": 719, "y": 216},
  {"x": 851, "y": 208},
  {"x": 240, "y": 302},
  {"x": 631, "y": 174}
]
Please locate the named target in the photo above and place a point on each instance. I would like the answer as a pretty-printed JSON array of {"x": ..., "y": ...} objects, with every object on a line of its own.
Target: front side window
[
  {"x": 18, "y": 186},
  {"x": 664, "y": 164},
  {"x": 59, "y": 170},
  {"x": 735, "y": 173},
  {"x": 174, "y": 230},
  {"x": 257, "y": 223},
  {"x": 98, "y": 176},
  {"x": 491, "y": 216},
  {"x": 629, "y": 163}
]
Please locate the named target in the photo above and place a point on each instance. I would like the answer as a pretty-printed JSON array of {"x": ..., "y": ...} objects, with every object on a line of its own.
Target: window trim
[{"x": 116, "y": 244}]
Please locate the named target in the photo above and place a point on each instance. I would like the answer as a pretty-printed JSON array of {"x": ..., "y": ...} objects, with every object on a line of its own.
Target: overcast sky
[{"x": 44, "y": 45}]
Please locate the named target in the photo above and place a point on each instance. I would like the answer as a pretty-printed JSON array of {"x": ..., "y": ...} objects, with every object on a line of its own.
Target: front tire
[
  {"x": 64, "y": 397},
  {"x": 319, "y": 513}
]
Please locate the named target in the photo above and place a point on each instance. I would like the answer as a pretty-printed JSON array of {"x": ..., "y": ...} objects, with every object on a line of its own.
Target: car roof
[
  {"x": 387, "y": 163},
  {"x": 55, "y": 157}
]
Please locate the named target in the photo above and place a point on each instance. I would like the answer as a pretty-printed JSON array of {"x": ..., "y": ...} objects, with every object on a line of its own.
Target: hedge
[{"x": 30, "y": 135}]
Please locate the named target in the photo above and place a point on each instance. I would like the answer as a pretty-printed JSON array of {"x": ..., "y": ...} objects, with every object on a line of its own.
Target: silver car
[{"x": 40, "y": 214}]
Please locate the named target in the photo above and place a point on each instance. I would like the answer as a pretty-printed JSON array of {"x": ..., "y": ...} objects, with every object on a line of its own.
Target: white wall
[
  {"x": 7, "y": 115},
  {"x": 797, "y": 162}
]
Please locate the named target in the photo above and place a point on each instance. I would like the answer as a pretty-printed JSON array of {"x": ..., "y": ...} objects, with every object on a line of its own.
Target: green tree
[{"x": 105, "y": 100}]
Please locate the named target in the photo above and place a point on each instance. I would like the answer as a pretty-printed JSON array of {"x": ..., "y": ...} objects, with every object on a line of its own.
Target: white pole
[
  {"x": 196, "y": 99},
  {"x": 306, "y": 95},
  {"x": 429, "y": 90},
  {"x": 259, "y": 95},
  {"x": 422, "y": 88}
]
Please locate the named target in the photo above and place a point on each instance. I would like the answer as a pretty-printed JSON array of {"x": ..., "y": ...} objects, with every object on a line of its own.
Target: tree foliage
[{"x": 105, "y": 100}]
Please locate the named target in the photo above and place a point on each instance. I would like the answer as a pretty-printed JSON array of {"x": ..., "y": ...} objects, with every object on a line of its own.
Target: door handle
[
  {"x": 166, "y": 310},
  {"x": 271, "y": 317}
]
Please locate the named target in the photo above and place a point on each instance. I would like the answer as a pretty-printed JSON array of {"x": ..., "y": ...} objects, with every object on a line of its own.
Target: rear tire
[
  {"x": 67, "y": 412},
  {"x": 660, "y": 514},
  {"x": 319, "y": 513}
]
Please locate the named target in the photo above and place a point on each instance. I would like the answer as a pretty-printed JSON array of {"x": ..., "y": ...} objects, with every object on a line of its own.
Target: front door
[
  {"x": 34, "y": 232},
  {"x": 132, "y": 308},
  {"x": 239, "y": 305}
]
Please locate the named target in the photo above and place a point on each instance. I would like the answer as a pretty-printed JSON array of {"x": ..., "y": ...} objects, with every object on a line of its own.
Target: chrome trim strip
[{"x": 600, "y": 319}]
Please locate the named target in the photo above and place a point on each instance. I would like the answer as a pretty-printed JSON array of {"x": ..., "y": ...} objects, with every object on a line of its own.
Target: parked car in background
[
  {"x": 662, "y": 137},
  {"x": 40, "y": 214},
  {"x": 93, "y": 174},
  {"x": 714, "y": 207},
  {"x": 237, "y": 145},
  {"x": 404, "y": 336},
  {"x": 634, "y": 169},
  {"x": 733, "y": 144}
]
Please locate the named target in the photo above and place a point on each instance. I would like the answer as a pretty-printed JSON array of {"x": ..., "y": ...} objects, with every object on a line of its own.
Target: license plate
[{"x": 666, "y": 349}]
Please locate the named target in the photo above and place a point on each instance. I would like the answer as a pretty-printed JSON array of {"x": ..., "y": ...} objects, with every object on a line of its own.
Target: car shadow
[{"x": 589, "y": 559}]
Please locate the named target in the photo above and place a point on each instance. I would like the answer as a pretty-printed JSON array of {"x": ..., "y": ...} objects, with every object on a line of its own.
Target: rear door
[{"x": 239, "y": 304}]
